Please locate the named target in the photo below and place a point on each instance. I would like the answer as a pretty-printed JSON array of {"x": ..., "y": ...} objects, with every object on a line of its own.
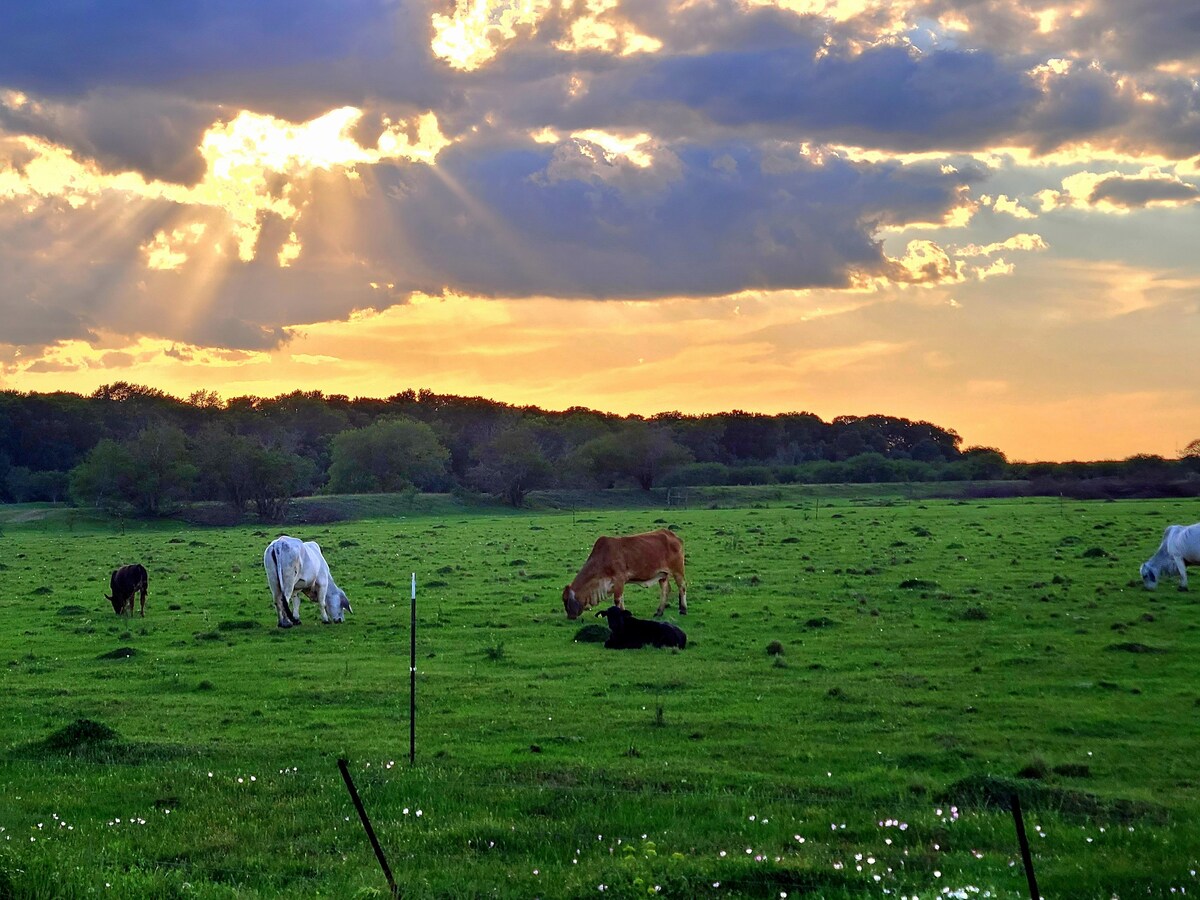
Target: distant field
[{"x": 865, "y": 683}]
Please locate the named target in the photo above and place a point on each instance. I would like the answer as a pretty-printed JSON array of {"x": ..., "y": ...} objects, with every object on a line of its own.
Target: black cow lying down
[
  {"x": 125, "y": 583},
  {"x": 629, "y": 633}
]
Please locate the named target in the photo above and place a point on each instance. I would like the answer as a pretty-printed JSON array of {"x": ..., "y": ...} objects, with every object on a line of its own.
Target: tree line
[{"x": 132, "y": 447}]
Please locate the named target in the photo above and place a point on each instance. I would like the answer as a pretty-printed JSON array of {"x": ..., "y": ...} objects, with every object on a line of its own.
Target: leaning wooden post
[
  {"x": 1024, "y": 842},
  {"x": 412, "y": 677}
]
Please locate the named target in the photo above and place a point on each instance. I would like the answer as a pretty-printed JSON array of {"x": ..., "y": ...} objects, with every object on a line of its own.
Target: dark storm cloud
[
  {"x": 734, "y": 216},
  {"x": 886, "y": 96},
  {"x": 58, "y": 48}
]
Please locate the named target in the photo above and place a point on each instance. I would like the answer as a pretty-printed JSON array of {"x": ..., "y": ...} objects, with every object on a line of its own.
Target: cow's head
[
  {"x": 617, "y": 617},
  {"x": 339, "y": 605},
  {"x": 571, "y": 603},
  {"x": 118, "y": 604},
  {"x": 1149, "y": 576}
]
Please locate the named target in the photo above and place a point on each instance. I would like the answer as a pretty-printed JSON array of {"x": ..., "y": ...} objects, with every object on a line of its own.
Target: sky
[{"x": 978, "y": 213}]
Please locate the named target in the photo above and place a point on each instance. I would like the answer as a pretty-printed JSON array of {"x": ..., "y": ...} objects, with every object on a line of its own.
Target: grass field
[{"x": 865, "y": 684}]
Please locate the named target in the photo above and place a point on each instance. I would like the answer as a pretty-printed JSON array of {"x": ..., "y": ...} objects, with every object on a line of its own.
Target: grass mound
[
  {"x": 119, "y": 653},
  {"x": 592, "y": 634},
  {"x": 996, "y": 792},
  {"x": 72, "y": 610},
  {"x": 82, "y": 734},
  {"x": 1135, "y": 647},
  {"x": 237, "y": 625}
]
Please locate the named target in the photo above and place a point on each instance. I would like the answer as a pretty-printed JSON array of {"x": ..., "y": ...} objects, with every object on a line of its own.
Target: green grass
[{"x": 875, "y": 676}]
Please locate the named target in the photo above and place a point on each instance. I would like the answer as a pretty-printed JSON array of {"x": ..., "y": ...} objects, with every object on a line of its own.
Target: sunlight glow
[
  {"x": 170, "y": 251},
  {"x": 601, "y": 29},
  {"x": 1008, "y": 205},
  {"x": 255, "y": 165},
  {"x": 472, "y": 36},
  {"x": 478, "y": 30},
  {"x": 1023, "y": 241},
  {"x": 837, "y": 10},
  {"x": 616, "y": 146}
]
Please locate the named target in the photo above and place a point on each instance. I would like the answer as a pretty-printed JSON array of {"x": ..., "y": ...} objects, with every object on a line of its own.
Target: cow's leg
[
  {"x": 143, "y": 603},
  {"x": 681, "y": 584},
  {"x": 281, "y": 609},
  {"x": 1182, "y": 569},
  {"x": 294, "y": 612},
  {"x": 322, "y": 598},
  {"x": 618, "y": 592},
  {"x": 664, "y": 591}
]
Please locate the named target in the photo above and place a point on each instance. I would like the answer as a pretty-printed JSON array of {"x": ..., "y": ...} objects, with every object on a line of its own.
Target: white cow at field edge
[
  {"x": 293, "y": 567},
  {"x": 1180, "y": 546}
]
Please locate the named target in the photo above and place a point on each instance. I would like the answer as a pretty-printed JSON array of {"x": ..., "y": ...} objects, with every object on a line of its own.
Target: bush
[
  {"x": 694, "y": 474},
  {"x": 742, "y": 475}
]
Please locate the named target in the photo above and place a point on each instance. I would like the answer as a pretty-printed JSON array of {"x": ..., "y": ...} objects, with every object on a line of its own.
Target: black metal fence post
[
  {"x": 1026, "y": 858},
  {"x": 412, "y": 678},
  {"x": 366, "y": 823}
]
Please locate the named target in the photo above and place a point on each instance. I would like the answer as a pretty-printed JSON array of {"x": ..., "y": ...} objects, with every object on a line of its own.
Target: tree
[
  {"x": 163, "y": 470},
  {"x": 388, "y": 455},
  {"x": 639, "y": 450},
  {"x": 226, "y": 463},
  {"x": 151, "y": 471},
  {"x": 104, "y": 477},
  {"x": 276, "y": 476},
  {"x": 984, "y": 463},
  {"x": 511, "y": 464},
  {"x": 25, "y": 486},
  {"x": 1191, "y": 456}
]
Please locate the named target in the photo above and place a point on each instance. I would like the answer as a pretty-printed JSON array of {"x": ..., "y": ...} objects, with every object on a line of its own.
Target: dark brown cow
[
  {"x": 651, "y": 558},
  {"x": 127, "y": 581}
]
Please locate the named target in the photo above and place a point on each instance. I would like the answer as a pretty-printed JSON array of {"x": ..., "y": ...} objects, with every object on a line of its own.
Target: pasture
[{"x": 864, "y": 685}]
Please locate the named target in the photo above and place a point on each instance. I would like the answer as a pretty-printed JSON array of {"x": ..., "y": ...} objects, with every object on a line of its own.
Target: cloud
[
  {"x": 68, "y": 49},
  {"x": 1141, "y": 192},
  {"x": 1118, "y": 192}
]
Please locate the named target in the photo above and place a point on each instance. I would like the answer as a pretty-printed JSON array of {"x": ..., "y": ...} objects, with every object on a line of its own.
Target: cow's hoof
[
  {"x": 285, "y": 624},
  {"x": 683, "y": 610}
]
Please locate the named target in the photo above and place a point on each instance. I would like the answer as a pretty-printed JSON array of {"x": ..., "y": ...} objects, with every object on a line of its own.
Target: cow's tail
[
  {"x": 287, "y": 600},
  {"x": 278, "y": 573}
]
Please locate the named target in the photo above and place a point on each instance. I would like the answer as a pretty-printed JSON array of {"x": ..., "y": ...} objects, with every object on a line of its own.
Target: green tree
[
  {"x": 104, "y": 478},
  {"x": 388, "y": 455},
  {"x": 163, "y": 469},
  {"x": 511, "y": 464},
  {"x": 276, "y": 476},
  {"x": 1190, "y": 456},
  {"x": 639, "y": 450},
  {"x": 226, "y": 463}
]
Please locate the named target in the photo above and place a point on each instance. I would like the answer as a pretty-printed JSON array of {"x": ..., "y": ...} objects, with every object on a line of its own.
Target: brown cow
[
  {"x": 125, "y": 582},
  {"x": 651, "y": 558}
]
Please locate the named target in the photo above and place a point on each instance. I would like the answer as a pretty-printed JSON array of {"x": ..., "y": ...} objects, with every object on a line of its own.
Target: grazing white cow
[
  {"x": 293, "y": 567},
  {"x": 1180, "y": 546}
]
